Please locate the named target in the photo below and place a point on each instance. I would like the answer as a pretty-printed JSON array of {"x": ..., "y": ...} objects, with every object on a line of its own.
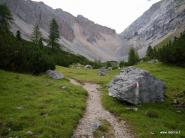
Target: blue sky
[{"x": 116, "y": 14}]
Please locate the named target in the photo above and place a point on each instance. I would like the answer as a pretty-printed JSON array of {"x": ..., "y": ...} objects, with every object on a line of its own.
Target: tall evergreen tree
[
  {"x": 18, "y": 35},
  {"x": 54, "y": 34},
  {"x": 41, "y": 45},
  {"x": 5, "y": 18},
  {"x": 133, "y": 57},
  {"x": 150, "y": 53},
  {"x": 36, "y": 35},
  {"x": 173, "y": 52}
]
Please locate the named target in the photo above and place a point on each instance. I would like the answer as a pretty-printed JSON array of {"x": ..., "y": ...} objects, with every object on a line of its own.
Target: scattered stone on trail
[
  {"x": 88, "y": 67},
  {"x": 55, "y": 75},
  {"x": 95, "y": 125},
  {"x": 136, "y": 86},
  {"x": 102, "y": 71}
]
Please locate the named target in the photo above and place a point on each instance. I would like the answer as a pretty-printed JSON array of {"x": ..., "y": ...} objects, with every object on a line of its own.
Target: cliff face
[
  {"x": 164, "y": 19},
  {"x": 78, "y": 34}
]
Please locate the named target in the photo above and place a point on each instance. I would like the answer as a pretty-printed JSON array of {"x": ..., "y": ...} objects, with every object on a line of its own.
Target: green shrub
[{"x": 152, "y": 114}]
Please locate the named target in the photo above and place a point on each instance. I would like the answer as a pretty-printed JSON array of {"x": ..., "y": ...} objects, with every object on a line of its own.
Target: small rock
[
  {"x": 9, "y": 129},
  {"x": 135, "y": 109},
  {"x": 55, "y": 75},
  {"x": 178, "y": 111},
  {"x": 110, "y": 68},
  {"x": 95, "y": 125},
  {"x": 153, "y": 61},
  {"x": 88, "y": 67},
  {"x": 19, "y": 107},
  {"x": 175, "y": 101},
  {"x": 63, "y": 87},
  {"x": 152, "y": 133},
  {"x": 29, "y": 133},
  {"x": 102, "y": 71}
]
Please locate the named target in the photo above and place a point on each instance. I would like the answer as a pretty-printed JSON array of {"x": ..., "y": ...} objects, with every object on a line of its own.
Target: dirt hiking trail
[{"x": 95, "y": 111}]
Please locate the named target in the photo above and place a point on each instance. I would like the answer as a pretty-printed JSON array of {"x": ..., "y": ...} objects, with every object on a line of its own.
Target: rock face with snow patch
[{"x": 136, "y": 86}]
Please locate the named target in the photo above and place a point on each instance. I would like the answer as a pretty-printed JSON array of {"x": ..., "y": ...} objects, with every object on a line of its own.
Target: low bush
[{"x": 152, "y": 114}]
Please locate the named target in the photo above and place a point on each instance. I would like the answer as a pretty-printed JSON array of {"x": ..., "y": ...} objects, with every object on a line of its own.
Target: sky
[{"x": 115, "y": 14}]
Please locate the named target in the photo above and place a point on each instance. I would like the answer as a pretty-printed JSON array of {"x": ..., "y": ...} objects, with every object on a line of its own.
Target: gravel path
[{"x": 95, "y": 112}]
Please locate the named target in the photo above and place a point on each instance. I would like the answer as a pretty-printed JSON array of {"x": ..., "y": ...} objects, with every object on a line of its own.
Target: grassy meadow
[
  {"x": 38, "y": 107},
  {"x": 150, "y": 119}
]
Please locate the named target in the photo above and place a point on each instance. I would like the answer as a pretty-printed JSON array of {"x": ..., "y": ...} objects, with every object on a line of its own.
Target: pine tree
[
  {"x": 41, "y": 45},
  {"x": 150, "y": 53},
  {"x": 5, "y": 18},
  {"x": 54, "y": 34},
  {"x": 36, "y": 35},
  {"x": 173, "y": 52},
  {"x": 18, "y": 35},
  {"x": 133, "y": 57}
]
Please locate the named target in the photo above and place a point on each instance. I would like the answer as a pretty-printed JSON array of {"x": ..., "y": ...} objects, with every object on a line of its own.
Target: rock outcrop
[
  {"x": 55, "y": 75},
  {"x": 162, "y": 21},
  {"x": 136, "y": 86}
]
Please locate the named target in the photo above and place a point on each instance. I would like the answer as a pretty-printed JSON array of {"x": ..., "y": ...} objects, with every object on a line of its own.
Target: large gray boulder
[
  {"x": 55, "y": 75},
  {"x": 136, "y": 86}
]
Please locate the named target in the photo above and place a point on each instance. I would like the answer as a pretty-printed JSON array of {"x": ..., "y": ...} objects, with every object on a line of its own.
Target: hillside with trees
[
  {"x": 172, "y": 52},
  {"x": 17, "y": 54}
]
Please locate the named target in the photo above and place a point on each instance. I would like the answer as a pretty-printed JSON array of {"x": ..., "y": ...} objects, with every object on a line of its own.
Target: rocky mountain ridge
[
  {"x": 78, "y": 34},
  {"x": 163, "y": 20}
]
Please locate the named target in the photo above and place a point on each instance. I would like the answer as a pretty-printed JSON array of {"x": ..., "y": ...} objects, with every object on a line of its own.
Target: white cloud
[{"x": 116, "y": 14}]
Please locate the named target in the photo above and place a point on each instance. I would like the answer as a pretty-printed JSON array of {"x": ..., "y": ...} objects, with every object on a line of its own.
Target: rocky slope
[
  {"x": 164, "y": 19},
  {"x": 78, "y": 34}
]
